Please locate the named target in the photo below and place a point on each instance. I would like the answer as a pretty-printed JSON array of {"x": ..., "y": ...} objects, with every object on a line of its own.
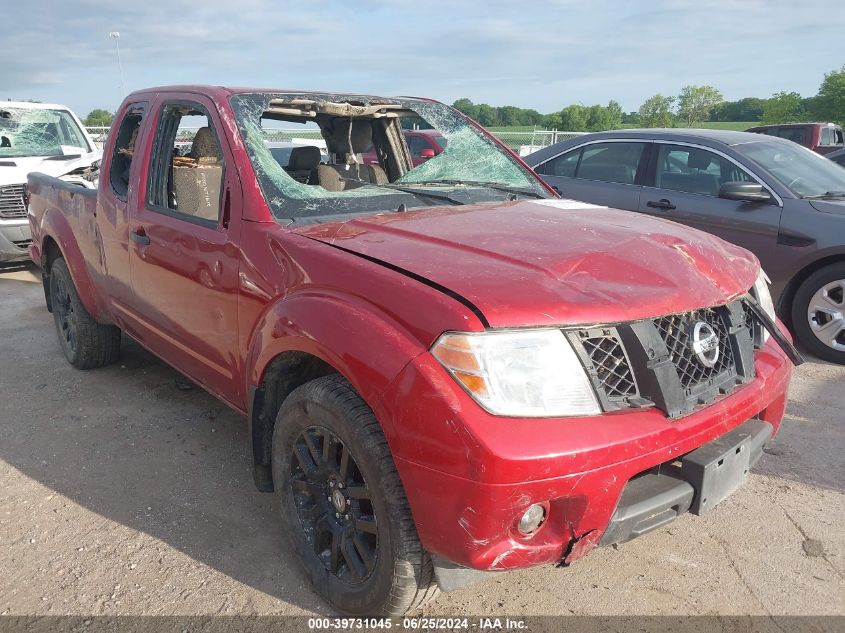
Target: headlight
[
  {"x": 761, "y": 293},
  {"x": 521, "y": 373}
]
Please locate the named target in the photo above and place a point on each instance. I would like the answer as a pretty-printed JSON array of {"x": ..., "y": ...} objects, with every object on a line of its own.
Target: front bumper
[
  {"x": 469, "y": 476},
  {"x": 15, "y": 239}
]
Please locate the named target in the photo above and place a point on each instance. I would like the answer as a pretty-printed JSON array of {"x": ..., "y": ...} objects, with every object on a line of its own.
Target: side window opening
[
  {"x": 124, "y": 149},
  {"x": 563, "y": 165},
  {"x": 694, "y": 170},
  {"x": 186, "y": 170},
  {"x": 611, "y": 162},
  {"x": 826, "y": 140}
]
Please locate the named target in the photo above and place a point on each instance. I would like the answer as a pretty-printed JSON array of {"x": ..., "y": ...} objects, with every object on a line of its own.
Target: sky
[{"x": 541, "y": 55}]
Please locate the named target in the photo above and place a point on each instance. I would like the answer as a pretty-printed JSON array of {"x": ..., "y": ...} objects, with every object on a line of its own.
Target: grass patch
[{"x": 739, "y": 126}]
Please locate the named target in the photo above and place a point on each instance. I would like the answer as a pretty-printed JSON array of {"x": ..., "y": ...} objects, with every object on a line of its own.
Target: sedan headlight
[
  {"x": 520, "y": 373},
  {"x": 763, "y": 296}
]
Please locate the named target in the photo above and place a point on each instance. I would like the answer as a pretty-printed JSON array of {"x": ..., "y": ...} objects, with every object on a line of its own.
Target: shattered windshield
[
  {"x": 360, "y": 161},
  {"x": 39, "y": 132}
]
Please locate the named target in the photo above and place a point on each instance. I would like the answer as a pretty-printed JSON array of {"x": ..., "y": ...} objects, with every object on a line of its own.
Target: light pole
[{"x": 115, "y": 35}]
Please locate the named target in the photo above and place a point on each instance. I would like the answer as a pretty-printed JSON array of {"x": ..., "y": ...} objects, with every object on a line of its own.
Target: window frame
[
  {"x": 655, "y": 153},
  {"x": 139, "y": 109},
  {"x": 640, "y": 177},
  {"x": 154, "y": 175}
]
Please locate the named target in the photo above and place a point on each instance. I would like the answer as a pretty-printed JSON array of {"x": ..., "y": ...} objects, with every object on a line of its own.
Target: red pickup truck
[
  {"x": 823, "y": 138},
  {"x": 446, "y": 370}
]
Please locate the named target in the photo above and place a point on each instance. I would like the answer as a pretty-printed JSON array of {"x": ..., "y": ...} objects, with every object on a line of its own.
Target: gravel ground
[{"x": 122, "y": 495}]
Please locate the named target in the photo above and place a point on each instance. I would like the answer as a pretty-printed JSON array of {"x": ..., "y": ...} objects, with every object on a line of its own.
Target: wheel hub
[
  {"x": 338, "y": 500},
  {"x": 826, "y": 314},
  {"x": 334, "y": 505}
]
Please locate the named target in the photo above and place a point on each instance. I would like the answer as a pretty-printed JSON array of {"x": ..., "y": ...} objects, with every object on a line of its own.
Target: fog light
[{"x": 532, "y": 519}]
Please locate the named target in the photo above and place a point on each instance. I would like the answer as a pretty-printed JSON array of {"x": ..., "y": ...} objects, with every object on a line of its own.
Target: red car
[
  {"x": 445, "y": 369},
  {"x": 422, "y": 144},
  {"x": 819, "y": 137}
]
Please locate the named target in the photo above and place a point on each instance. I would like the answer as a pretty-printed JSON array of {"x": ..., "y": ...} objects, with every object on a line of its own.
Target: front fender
[{"x": 353, "y": 336}]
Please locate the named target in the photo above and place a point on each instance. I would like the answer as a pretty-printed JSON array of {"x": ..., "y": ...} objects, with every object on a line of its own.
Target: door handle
[
  {"x": 663, "y": 204},
  {"x": 139, "y": 236}
]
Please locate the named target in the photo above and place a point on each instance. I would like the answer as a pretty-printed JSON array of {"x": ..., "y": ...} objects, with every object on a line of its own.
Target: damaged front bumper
[
  {"x": 15, "y": 239},
  {"x": 470, "y": 476}
]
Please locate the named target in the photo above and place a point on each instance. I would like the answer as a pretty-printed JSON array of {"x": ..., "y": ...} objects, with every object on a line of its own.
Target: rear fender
[{"x": 55, "y": 227}]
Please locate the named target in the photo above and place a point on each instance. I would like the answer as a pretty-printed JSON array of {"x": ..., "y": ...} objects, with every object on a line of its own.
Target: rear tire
[
  {"x": 818, "y": 313},
  {"x": 343, "y": 505},
  {"x": 85, "y": 343}
]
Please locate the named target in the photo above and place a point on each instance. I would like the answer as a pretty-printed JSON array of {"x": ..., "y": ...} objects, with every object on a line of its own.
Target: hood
[
  {"x": 553, "y": 262},
  {"x": 829, "y": 206},
  {"x": 13, "y": 171}
]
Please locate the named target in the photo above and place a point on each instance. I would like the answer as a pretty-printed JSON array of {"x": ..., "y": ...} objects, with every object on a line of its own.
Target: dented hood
[{"x": 553, "y": 262}]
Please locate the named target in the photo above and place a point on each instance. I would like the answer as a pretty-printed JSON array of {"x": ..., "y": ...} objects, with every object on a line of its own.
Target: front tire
[
  {"x": 85, "y": 343},
  {"x": 818, "y": 313},
  {"x": 343, "y": 505}
]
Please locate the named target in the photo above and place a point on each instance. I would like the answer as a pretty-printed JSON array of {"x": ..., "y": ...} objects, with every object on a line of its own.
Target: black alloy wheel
[{"x": 334, "y": 505}]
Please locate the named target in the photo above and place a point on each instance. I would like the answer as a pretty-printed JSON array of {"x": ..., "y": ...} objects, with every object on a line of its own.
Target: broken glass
[
  {"x": 469, "y": 160},
  {"x": 39, "y": 132}
]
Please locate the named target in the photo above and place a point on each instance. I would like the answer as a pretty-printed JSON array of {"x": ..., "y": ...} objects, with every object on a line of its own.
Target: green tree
[
  {"x": 829, "y": 104},
  {"x": 695, "y": 103},
  {"x": 574, "y": 118},
  {"x": 783, "y": 107},
  {"x": 746, "y": 109},
  {"x": 99, "y": 117},
  {"x": 657, "y": 112},
  {"x": 600, "y": 118},
  {"x": 487, "y": 115},
  {"x": 467, "y": 107}
]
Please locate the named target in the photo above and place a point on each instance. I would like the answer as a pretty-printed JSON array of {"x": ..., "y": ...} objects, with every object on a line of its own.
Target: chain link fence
[{"x": 523, "y": 143}]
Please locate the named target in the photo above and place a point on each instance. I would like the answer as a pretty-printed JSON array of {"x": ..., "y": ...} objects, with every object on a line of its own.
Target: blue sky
[{"x": 543, "y": 55}]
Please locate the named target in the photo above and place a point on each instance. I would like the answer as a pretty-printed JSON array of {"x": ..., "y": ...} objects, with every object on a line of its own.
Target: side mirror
[
  {"x": 427, "y": 153},
  {"x": 744, "y": 192}
]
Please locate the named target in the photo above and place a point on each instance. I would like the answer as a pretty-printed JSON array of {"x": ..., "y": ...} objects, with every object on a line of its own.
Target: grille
[
  {"x": 11, "y": 202},
  {"x": 610, "y": 364},
  {"x": 675, "y": 332},
  {"x": 754, "y": 326}
]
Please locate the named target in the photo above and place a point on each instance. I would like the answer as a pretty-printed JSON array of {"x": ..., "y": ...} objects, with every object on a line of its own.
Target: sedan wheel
[
  {"x": 818, "y": 313},
  {"x": 826, "y": 315}
]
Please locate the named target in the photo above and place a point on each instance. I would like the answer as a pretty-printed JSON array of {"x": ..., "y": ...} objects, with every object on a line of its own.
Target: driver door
[{"x": 184, "y": 253}]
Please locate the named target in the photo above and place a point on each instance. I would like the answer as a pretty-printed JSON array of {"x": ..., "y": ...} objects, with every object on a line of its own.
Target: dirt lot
[{"x": 120, "y": 494}]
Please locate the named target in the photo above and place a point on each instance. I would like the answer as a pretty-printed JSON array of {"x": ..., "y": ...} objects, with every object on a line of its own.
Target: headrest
[
  {"x": 304, "y": 158},
  {"x": 698, "y": 159},
  {"x": 205, "y": 145},
  {"x": 361, "y": 136}
]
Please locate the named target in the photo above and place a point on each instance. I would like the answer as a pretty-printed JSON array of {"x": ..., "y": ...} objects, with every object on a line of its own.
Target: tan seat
[
  {"x": 302, "y": 163},
  {"x": 197, "y": 188},
  {"x": 205, "y": 145},
  {"x": 351, "y": 144}
]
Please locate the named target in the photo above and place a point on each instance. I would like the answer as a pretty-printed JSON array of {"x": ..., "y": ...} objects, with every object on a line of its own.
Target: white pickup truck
[{"x": 41, "y": 137}]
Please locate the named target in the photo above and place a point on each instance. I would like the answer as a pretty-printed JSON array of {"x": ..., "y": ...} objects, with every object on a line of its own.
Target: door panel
[
  {"x": 687, "y": 181},
  {"x": 184, "y": 256}
]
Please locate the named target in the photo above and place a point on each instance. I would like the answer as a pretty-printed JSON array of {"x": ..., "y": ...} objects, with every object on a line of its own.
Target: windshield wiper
[
  {"x": 420, "y": 192},
  {"x": 826, "y": 194},
  {"x": 411, "y": 190},
  {"x": 64, "y": 157},
  {"x": 488, "y": 185}
]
